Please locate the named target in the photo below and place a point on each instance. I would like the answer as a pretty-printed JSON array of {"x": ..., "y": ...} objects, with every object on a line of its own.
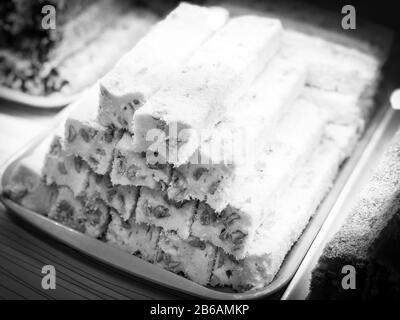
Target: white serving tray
[{"x": 53, "y": 101}]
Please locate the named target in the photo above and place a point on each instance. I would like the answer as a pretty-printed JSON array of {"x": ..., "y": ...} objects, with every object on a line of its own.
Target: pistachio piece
[
  {"x": 109, "y": 134},
  {"x": 196, "y": 242},
  {"x": 65, "y": 208},
  {"x": 62, "y": 168},
  {"x": 71, "y": 134},
  {"x": 55, "y": 147},
  {"x": 110, "y": 194},
  {"x": 121, "y": 198},
  {"x": 173, "y": 264},
  {"x": 101, "y": 152},
  {"x": 131, "y": 172},
  {"x": 214, "y": 186},
  {"x": 159, "y": 256},
  {"x": 122, "y": 121},
  {"x": 224, "y": 235},
  {"x": 229, "y": 220},
  {"x": 156, "y": 165},
  {"x": 84, "y": 134},
  {"x": 78, "y": 164},
  {"x": 93, "y": 161},
  {"x": 158, "y": 211},
  {"x": 199, "y": 172},
  {"x": 238, "y": 237}
]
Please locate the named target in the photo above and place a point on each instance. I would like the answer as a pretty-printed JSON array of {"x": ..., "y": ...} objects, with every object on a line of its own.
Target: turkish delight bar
[
  {"x": 151, "y": 62},
  {"x": 89, "y": 216},
  {"x": 198, "y": 96},
  {"x": 192, "y": 257},
  {"x": 65, "y": 170},
  {"x": 338, "y": 60},
  {"x": 154, "y": 209},
  {"x": 138, "y": 239},
  {"x": 280, "y": 229},
  {"x": 121, "y": 198},
  {"x": 86, "y": 138},
  {"x": 131, "y": 168},
  {"x": 231, "y": 217}
]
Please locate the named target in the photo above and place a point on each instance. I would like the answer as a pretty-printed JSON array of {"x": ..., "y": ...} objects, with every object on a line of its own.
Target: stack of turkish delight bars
[{"x": 211, "y": 144}]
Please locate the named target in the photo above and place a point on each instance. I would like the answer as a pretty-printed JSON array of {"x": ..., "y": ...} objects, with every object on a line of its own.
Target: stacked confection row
[{"x": 220, "y": 212}]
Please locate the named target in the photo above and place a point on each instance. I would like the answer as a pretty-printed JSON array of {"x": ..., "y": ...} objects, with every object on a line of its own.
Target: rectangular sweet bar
[
  {"x": 122, "y": 198},
  {"x": 135, "y": 238},
  {"x": 331, "y": 67},
  {"x": 281, "y": 228},
  {"x": 240, "y": 203},
  {"x": 252, "y": 123},
  {"x": 344, "y": 108},
  {"x": 339, "y": 61},
  {"x": 153, "y": 60},
  {"x": 96, "y": 215},
  {"x": 131, "y": 168},
  {"x": 184, "y": 111},
  {"x": 86, "y": 138},
  {"x": 369, "y": 38},
  {"x": 192, "y": 257},
  {"x": 154, "y": 209},
  {"x": 65, "y": 170},
  {"x": 89, "y": 216}
]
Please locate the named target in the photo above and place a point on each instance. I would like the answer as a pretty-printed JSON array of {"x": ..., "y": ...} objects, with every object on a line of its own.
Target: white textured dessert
[
  {"x": 331, "y": 66},
  {"x": 89, "y": 216},
  {"x": 280, "y": 229},
  {"x": 96, "y": 216},
  {"x": 350, "y": 109},
  {"x": 138, "y": 239},
  {"x": 154, "y": 209},
  {"x": 240, "y": 202},
  {"x": 198, "y": 96},
  {"x": 338, "y": 61},
  {"x": 122, "y": 198},
  {"x": 65, "y": 170},
  {"x": 131, "y": 168},
  {"x": 88, "y": 139},
  {"x": 68, "y": 209},
  {"x": 236, "y": 140},
  {"x": 193, "y": 257},
  {"x": 154, "y": 59}
]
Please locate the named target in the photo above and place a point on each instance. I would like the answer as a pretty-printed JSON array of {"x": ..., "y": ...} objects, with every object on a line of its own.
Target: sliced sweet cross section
[
  {"x": 65, "y": 170},
  {"x": 88, "y": 139},
  {"x": 138, "y": 239},
  {"x": 154, "y": 209},
  {"x": 192, "y": 257},
  {"x": 131, "y": 168},
  {"x": 122, "y": 198}
]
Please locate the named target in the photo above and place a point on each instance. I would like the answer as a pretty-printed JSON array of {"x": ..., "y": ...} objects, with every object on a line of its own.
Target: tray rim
[
  {"x": 139, "y": 268},
  {"x": 340, "y": 209},
  {"x": 53, "y": 101}
]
